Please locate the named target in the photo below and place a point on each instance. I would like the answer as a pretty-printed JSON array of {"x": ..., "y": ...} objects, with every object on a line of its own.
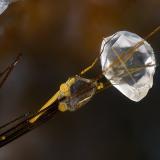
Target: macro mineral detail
[{"x": 128, "y": 62}]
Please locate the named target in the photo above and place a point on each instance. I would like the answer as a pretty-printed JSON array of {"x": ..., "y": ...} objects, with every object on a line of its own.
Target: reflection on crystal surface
[{"x": 129, "y": 70}]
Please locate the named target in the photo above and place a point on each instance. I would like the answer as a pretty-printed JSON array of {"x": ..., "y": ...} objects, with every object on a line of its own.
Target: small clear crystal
[{"x": 129, "y": 68}]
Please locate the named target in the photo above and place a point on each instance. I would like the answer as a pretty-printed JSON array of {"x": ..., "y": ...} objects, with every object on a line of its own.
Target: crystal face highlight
[{"x": 128, "y": 62}]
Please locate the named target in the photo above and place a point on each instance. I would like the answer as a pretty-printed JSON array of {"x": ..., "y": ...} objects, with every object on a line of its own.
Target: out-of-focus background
[{"x": 58, "y": 39}]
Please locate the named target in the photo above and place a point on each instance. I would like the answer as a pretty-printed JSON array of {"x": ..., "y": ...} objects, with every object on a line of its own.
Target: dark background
[{"x": 59, "y": 38}]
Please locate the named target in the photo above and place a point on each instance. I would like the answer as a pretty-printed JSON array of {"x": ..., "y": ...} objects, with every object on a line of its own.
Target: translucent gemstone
[
  {"x": 4, "y": 5},
  {"x": 129, "y": 63}
]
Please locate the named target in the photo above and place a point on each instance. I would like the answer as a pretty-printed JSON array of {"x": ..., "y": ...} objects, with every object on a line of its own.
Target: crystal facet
[{"x": 128, "y": 61}]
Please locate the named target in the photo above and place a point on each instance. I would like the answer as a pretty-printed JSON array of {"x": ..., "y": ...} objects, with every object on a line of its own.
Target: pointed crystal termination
[{"x": 129, "y": 63}]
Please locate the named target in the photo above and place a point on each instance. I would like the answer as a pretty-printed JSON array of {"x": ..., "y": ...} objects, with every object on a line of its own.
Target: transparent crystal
[
  {"x": 4, "y": 5},
  {"x": 130, "y": 69}
]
